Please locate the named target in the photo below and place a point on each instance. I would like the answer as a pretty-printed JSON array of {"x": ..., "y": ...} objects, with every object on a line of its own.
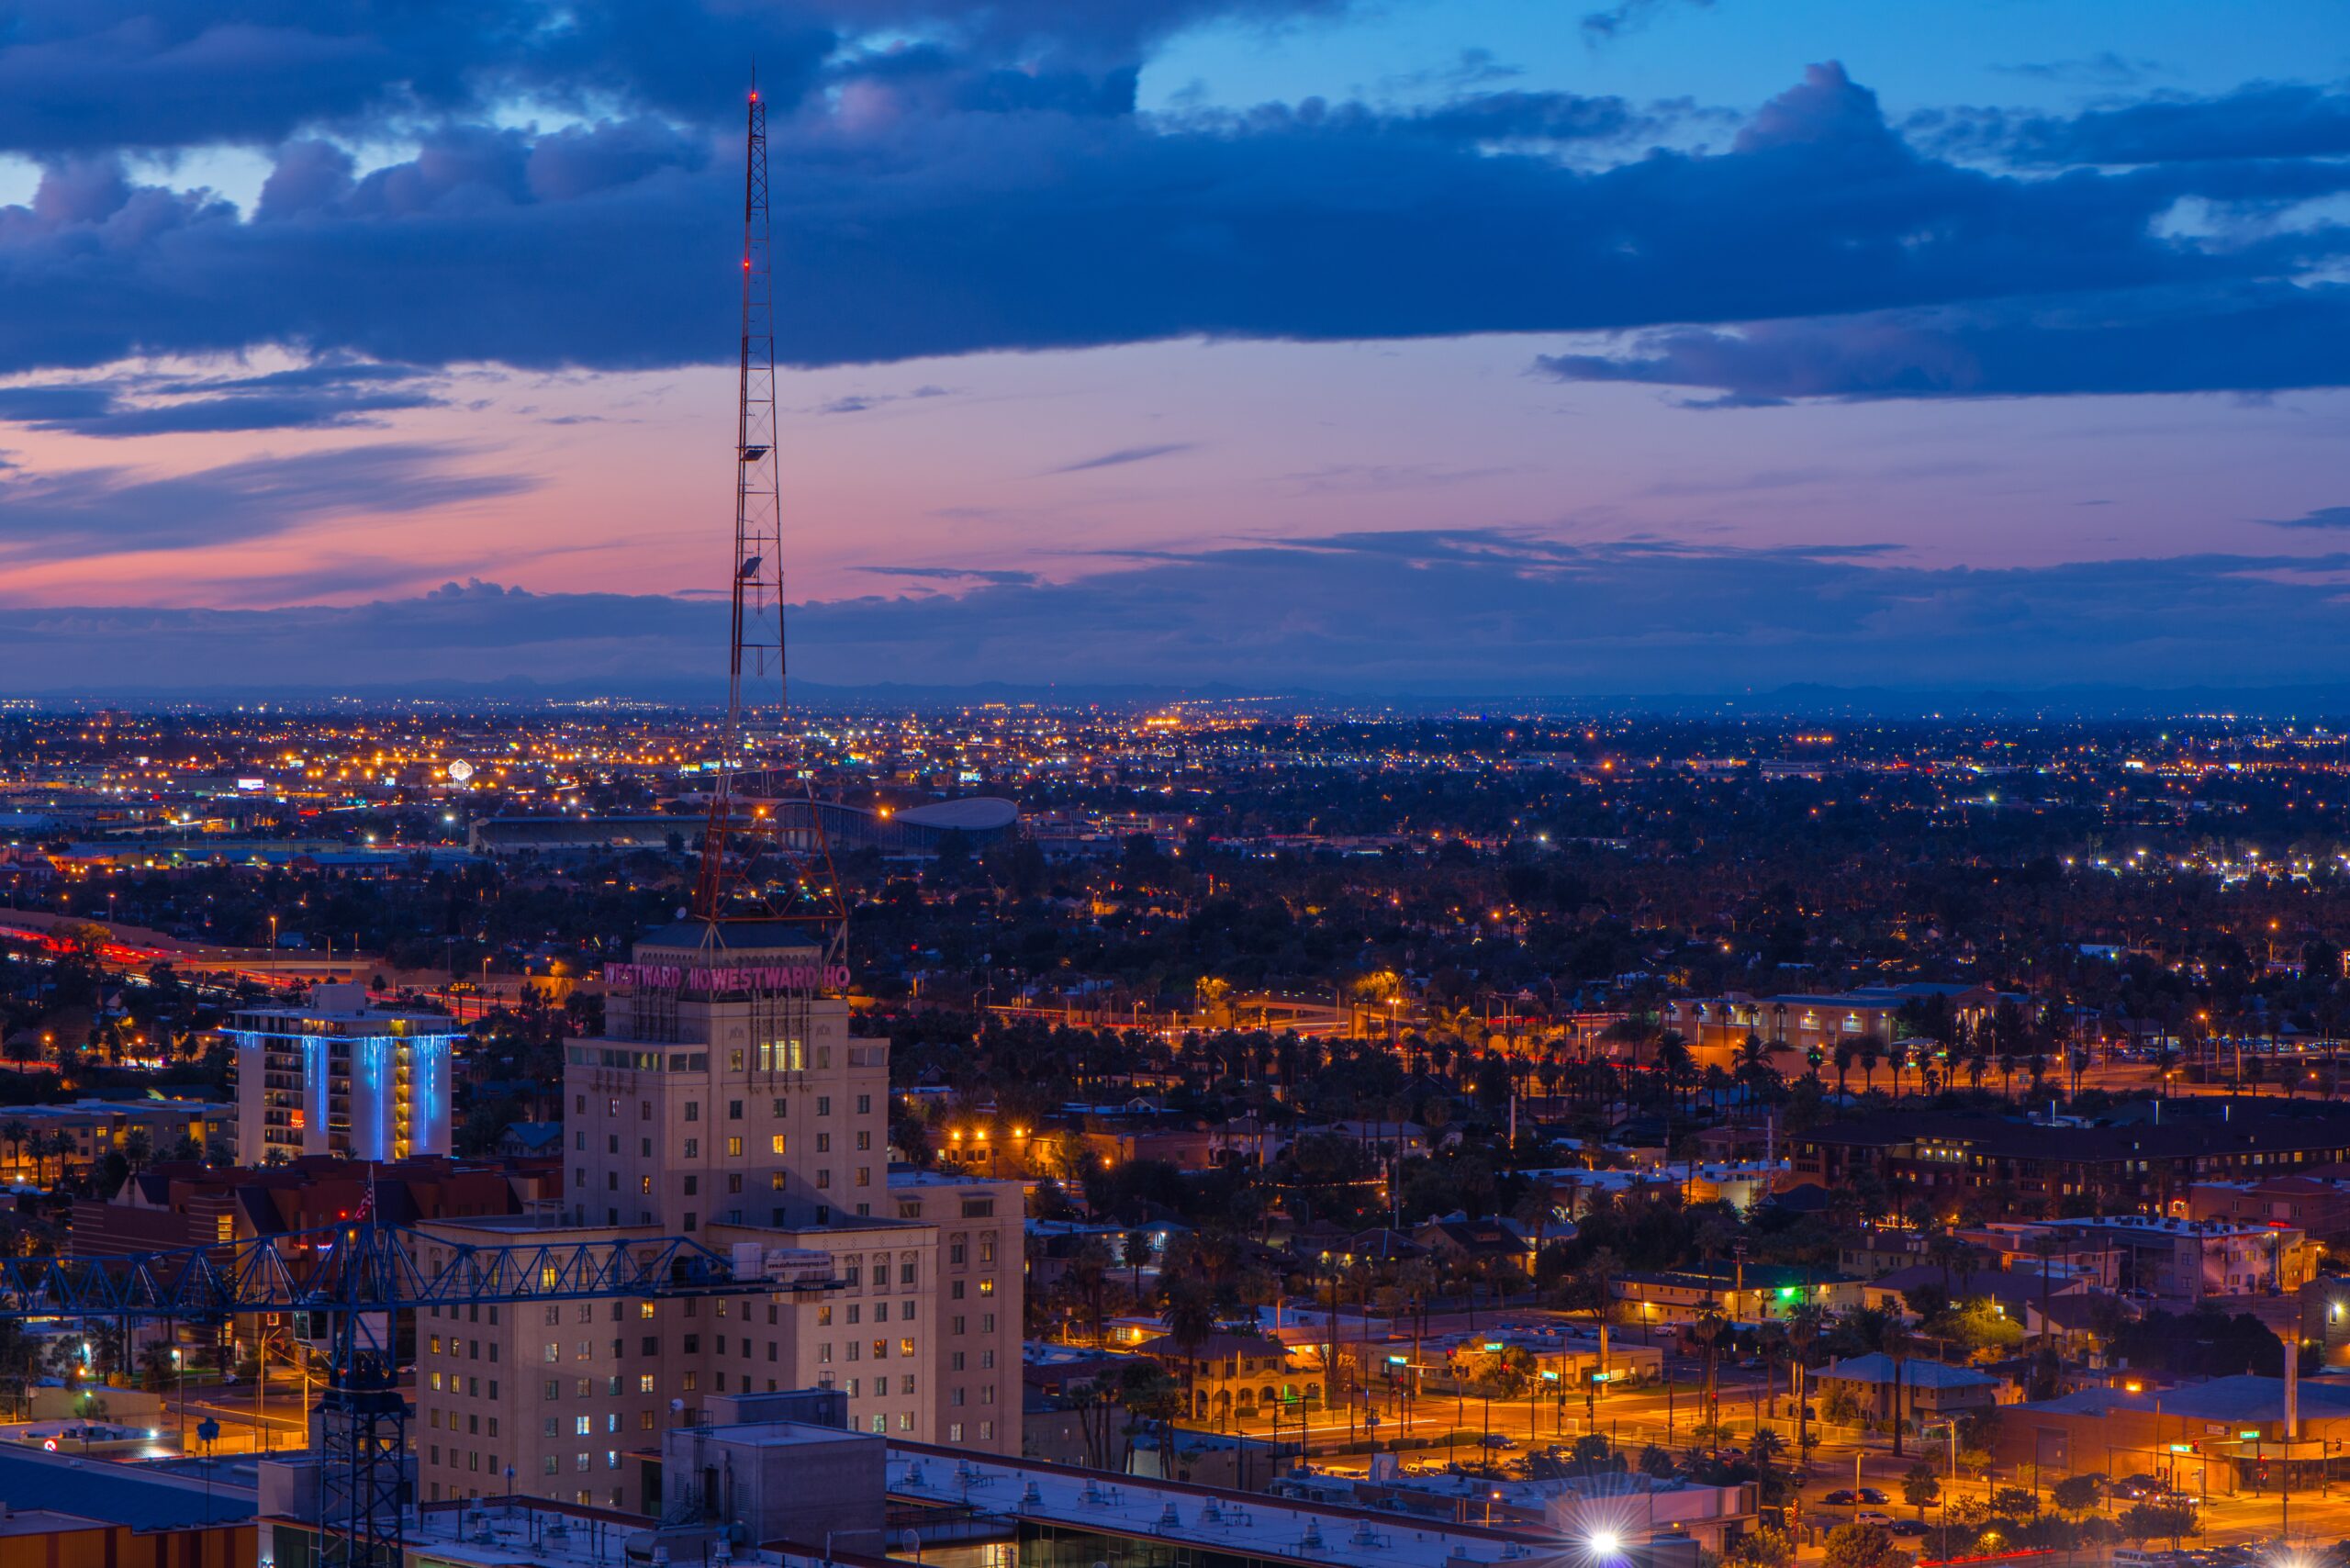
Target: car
[
  {"x": 1499, "y": 1440},
  {"x": 1871, "y": 1517},
  {"x": 1840, "y": 1499},
  {"x": 1907, "y": 1529},
  {"x": 1874, "y": 1497},
  {"x": 2139, "y": 1485}
]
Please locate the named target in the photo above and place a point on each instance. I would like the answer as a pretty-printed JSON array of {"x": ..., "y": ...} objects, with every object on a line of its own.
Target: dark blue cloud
[
  {"x": 328, "y": 395},
  {"x": 1124, "y": 455},
  {"x": 2323, "y": 517},
  {"x": 103, "y": 511},
  {"x": 2263, "y": 337},
  {"x": 99, "y": 74},
  {"x": 1405, "y": 614},
  {"x": 984, "y": 183},
  {"x": 2261, "y": 119}
]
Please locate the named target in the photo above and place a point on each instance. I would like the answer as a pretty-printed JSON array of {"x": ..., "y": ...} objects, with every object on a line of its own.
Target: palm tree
[
  {"x": 1707, "y": 1331},
  {"x": 1870, "y": 1051},
  {"x": 18, "y": 1134},
  {"x": 1189, "y": 1314},
  {"x": 1896, "y": 1344},
  {"x": 1804, "y": 1327}
]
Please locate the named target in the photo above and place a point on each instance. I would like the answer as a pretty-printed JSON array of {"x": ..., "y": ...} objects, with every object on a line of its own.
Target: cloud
[
  {"x": 858, "y": 402},
  {"x": 982, "y": 180},
  {"x": 2261, "y": 119},
  {"x": 2322, "y": 518},
  {"x": 1625, "y": 16},
  {"x": 933, "y": 214},
  {"x": 2266, "y": 337},
  {"x": 102, "y": 511},
  {"x": 322, "y": 397},
  {"x": 1413, "y": 613},
  {"x": 961, "y": 575},
  {"x": 1124, "y": 455},
  {"x": 2104, "y": 69}
]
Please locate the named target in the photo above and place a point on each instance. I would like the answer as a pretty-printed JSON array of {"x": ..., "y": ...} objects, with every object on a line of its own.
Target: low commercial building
[
  {"x": 64, "y": 1511},
  {"x": 41, "y": 1142},
  {"x": 1234, "y": 1376},
  {"x": 2224, "y": 1435},
  {"x": 2317, "y": 1205},
  {"x": 1953, "y": 1161},
  {"x": 2178, "y": 1262},
  {"x": 182, "y": 1204},
  {"x": 1915, "y": 1390},
  {"x": 1754, "y": 1292}
]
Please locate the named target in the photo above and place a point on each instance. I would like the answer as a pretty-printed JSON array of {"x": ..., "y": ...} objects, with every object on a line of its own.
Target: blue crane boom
[{"x": 360, "y": 1266}]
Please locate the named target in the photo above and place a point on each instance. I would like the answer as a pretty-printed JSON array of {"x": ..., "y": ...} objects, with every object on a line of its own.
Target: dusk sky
[{"x": 1405, "y": 346}]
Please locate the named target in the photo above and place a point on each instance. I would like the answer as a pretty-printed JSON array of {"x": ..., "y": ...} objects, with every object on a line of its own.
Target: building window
[
  {"x": 775, "y": 1146},
  {"x": 823, "y": 1143},
  {"x": 693, "y": 1149},
  {"x": 734, "y": 1151},
  {"x": 824, "y": 1104}
]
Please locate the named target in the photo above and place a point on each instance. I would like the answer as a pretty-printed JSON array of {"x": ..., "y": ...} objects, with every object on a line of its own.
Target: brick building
[{"x": 2133, "y": 1168}]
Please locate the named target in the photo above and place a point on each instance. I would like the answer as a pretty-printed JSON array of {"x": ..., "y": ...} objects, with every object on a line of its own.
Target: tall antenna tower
[{"x": 739, "y": 825}]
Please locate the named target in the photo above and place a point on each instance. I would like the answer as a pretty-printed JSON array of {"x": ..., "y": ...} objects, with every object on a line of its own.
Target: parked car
[
  {"x": 1907, "y": 1529},
  {"x": 1842, "y": 1499},
  {"x": 1873, "y": 1497},
  {"x": 1499, "y": 1440},
  {"x": 1871, "y": 1517}
]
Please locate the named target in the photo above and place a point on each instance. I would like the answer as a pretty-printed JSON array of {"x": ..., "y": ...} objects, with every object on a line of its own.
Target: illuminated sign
[
  {"x": 735, "y": 977},
  {"x": 253, "y": 786}
]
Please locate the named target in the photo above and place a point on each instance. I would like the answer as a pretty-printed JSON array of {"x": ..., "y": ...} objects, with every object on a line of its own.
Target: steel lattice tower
[{"x": 756, "y": 679}]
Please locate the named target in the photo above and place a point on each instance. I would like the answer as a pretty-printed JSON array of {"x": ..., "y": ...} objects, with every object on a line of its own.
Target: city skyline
[{"x": 1488, "y": 349}]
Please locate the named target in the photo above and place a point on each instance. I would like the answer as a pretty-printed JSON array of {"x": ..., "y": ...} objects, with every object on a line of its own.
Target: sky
[{"x": 1409, "y": 348}]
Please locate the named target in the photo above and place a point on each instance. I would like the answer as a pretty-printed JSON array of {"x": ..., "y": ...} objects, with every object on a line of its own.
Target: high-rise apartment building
[
  {"x": 727, "y": 1101},
  {"x": 338, "y": 1077}
]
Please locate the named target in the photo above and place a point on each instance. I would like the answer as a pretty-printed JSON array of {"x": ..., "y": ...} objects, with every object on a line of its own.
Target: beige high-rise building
[{"x": 727, "y": 1103}]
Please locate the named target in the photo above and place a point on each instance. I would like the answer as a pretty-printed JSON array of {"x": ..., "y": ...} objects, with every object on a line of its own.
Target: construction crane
[
  {"x": 756, "y": 675},
  {"x": 359, "y": 1275}
]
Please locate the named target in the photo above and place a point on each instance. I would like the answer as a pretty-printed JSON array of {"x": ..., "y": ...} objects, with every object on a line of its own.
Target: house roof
[
  {"x": 1877, "y": 1367},
  {"x": 535, "y": 1137},
  {"x": 1472, "y": 1236},
  {"x": 118, "y": 1494},
  {"x": 2231, "y": 1399},
  {"x": 2008, "y": 1287},
  {"x": 2181, "y": 1136},
  {"x": 1215, "y": 1347}
]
